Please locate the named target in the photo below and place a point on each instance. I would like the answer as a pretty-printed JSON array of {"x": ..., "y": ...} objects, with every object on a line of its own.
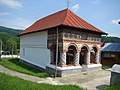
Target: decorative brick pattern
[
  {"x": 62, "y": 59},
  {"x": 52, "y": 57},
  {"x": 97, "y": 58},
  {"x": 76, "y": 59},
  {"x": 87, "y": 58}
]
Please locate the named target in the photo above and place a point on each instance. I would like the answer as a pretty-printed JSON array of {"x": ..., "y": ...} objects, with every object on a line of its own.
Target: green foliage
[
  {"x": 113, "y": 87},
  {"x": 110, "y": 39},
  {"x": 10, "y": 31},
  {"x": 15, "y": 65},
  {"x": 9, "y": 39},
  {"x": 15, "y": 83},
  {"x": 105, "y": 67}
]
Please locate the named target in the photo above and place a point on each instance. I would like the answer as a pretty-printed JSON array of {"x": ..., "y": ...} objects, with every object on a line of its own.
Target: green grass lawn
[
  {"x": 105, "y": 67},
  {"x": 15, "y": 65},
  {"x": 15, "y": 83},
  {"x": 112, "y": 88}
]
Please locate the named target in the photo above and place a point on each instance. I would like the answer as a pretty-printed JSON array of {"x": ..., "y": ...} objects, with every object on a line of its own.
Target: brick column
[
  {"x": 97, "y": 57},
  {"x": 76, "y": 58},
  {"x": 51, "y": 57},
  {"x": 62, "y": 59},
  {"x": 87, "y": 58}
]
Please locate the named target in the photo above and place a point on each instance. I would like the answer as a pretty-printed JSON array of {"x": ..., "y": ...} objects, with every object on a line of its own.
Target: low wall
[{"x": 10, "y": 56}]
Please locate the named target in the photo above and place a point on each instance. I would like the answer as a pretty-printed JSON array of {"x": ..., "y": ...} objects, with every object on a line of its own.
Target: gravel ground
[{"x": 89, "y": 81}]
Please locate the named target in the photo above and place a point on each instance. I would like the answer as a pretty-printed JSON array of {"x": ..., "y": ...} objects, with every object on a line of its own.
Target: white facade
[{"x": 33, "y": 49}]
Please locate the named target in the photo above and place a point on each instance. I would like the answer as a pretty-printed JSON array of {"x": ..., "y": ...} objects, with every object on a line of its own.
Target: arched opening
[
  {"x": 83, "y": 52},
  {"x": 53, "y": 57},
  {"x": 93, "y": 55},
  {"x": 70, "y": 55}
]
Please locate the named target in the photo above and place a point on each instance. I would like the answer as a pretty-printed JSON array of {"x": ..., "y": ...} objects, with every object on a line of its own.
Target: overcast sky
[{"x": 103, "y": 14}]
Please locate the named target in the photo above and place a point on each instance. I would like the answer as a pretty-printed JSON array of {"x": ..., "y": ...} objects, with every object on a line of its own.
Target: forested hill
[
  {"x": 10, "y": 31},
  {"x": 9, "y": 39},
  {"x": 110, "y": 39}
]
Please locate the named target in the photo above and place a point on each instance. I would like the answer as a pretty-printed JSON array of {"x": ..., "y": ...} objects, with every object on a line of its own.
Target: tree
[{"x": 10, "y": 42}]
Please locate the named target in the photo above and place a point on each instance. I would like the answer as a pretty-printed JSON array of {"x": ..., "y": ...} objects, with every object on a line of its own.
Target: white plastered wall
[{"x": 33, "y": 48}]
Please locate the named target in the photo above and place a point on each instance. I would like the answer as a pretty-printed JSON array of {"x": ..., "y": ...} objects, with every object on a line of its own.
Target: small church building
[{"x": 78, "y": 44}]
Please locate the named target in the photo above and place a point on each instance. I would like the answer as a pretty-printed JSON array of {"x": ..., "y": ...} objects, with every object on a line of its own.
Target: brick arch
[
  {"x": 73, "y": 45},
  {"x": 85, "y": 45},
  {"x": 95, "y": 47},
  {"x": 95, "y": 54}
]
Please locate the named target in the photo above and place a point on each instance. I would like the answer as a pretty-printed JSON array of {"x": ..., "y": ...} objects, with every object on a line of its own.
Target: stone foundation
[
  {"x": 72, "y": 70},
  {"x": 64, "y": 71},
  {"x": 91, "y": 67}
]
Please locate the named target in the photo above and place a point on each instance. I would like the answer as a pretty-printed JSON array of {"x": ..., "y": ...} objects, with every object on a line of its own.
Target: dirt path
[
  {"x": 29, "y": 77},
  {"x": 89, "y": 81}
]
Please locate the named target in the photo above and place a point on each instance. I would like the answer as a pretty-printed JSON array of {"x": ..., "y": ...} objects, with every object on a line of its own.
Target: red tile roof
[{"x": 64, "y": 17}]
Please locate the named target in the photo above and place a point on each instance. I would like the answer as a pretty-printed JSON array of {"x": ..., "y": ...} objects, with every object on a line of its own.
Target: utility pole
[{"x": 56, "y": 52}]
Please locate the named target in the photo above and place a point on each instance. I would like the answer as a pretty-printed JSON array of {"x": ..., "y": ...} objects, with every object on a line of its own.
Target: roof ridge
[
  {"x": 50, "y": 15},
  {"x": 67, "y": 10}
]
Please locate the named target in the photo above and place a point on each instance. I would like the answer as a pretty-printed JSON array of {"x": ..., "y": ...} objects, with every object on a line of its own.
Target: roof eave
[
  {"x": 38, "y": 30},
  {"x": 103, "y": 33}
]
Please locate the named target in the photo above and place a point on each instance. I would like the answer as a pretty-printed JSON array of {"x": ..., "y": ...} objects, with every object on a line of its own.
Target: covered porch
[{"x": 74, "y": 60}]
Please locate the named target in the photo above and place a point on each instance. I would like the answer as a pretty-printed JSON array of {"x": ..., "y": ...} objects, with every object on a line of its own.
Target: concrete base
[
  {"x": 91, "y": 67},
  {"x": 64, "y": 71},
  {"x": 71, "y": 70}
]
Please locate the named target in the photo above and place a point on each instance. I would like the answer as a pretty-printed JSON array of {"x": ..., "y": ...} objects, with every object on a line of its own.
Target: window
[
  {"x": 71, "y": 35},
  {"x": 75, "y": 36},
  {"x": 106, "y": 55},
  {"x": 88, "y": 38},
  {"x": 66, "y": 35},
  {"x": 112, "y": 55},
  {"x": 93, "y": 38},
  {"x": 79, "y": 36},
  {"x": 99, "y": 39}
]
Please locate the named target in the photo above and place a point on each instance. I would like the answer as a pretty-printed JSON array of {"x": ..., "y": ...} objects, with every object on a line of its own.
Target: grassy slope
[
  {"x": 15, "y": 65},
  {"x": 15, "y": 83}
]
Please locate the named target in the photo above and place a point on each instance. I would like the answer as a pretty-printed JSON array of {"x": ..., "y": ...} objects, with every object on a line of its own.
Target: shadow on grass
[{"x": 16, "y": 62}]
